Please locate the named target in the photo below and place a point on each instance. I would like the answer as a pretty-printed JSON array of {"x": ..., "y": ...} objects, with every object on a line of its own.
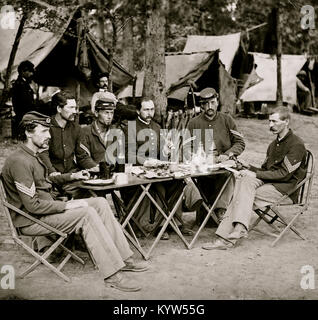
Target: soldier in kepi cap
[
  {"x": 28, "y": 187},
  {"x": 97, "y": 137},
  {"x": 224, "y": 141}
]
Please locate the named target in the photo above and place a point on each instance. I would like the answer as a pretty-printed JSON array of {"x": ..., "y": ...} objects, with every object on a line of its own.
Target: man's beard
[
  {"x": 147, "y": 119},
  {"x": 44, "y": 145},
  {"x": 210, "y": 112},
  {"x": 69, "y": 118}
]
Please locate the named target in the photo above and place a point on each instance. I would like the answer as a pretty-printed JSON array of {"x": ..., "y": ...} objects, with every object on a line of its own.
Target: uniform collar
[
  {"x": 27, "y": 150},
  {"x": 54, "y": 123},
  {"x": 207, "y": 119},
  {"x": 96, "y": 131},
  {"x": 289, "y": 133},
  {"x": 143, "y": 121}
]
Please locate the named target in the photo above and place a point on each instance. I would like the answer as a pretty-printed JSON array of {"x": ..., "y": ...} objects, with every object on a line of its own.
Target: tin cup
[{"x": 121, "y": 178}]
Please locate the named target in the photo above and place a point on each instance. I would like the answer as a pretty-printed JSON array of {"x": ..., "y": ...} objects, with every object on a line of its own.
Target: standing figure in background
[
  {"x": 24, "y": 95},
  {"x": 102, "y": 84},
  {"x": 303, "y": 93}
]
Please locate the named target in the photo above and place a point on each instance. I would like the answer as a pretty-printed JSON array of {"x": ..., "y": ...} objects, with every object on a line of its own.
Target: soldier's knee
[{"x": 101, "y": 202}]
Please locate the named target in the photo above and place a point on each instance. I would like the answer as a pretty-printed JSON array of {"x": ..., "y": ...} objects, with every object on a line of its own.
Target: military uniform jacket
[
  {"x": 146, "y": 142},
  {"x": 64, "y": 147},
  {"x": 28, "y": 187},
  {"x": 226, "y": 137},
  {"x": 93, "y": 144},
  {"x": 284, "y": 165}
]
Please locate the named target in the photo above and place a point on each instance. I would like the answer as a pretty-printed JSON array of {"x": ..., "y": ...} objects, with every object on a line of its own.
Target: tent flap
[
  {"x": 266, "y": 69},
  {"x": 49, "y": 51}
]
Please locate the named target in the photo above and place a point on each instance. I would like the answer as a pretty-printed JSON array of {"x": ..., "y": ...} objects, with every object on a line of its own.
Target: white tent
[
  {"x": 266, "y": 69},
  {"x": 227, "y": 44}
]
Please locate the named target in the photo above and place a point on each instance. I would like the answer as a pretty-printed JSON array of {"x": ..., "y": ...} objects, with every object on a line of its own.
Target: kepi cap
[
  {"x": 207, "y": 94},
  {"x": 106, "y": 101},
  {"x": 37, "y": 117}
]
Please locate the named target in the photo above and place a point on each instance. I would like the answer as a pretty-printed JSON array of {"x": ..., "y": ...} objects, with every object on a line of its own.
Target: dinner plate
[
  {"x": 98, "y": 182},
  {"x": 153, "y": 175}
]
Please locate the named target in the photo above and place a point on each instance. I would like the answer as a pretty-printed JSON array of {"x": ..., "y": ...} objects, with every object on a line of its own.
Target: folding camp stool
[
  {"x": 271, "y": 213},
  {"x": 17, "y": 237}
]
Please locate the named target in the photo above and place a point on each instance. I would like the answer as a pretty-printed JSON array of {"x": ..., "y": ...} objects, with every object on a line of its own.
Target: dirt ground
[{"x": 252, "y": 270}]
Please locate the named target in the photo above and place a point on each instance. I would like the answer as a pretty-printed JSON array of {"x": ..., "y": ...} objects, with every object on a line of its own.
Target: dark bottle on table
[{"x": 104, "y": 170}]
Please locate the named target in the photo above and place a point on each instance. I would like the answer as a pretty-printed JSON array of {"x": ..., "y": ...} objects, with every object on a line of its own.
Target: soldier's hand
[
  {"x": 247, "y": 173},
  {"x": 54, "y": 174},
  {"x": 222, "y": 158},
  {"x": 74, "y": 204},
  {"x": 80, "y": 175},
  {"x": 94, "y": 169}
]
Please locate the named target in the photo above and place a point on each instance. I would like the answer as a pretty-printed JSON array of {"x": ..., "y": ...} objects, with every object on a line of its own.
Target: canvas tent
[
  {"x": 265, "y": 90},
  {"x": 54, "y": 55},
  {"x": 227, "y": 44},
  {"x": 201, "y": 69}
]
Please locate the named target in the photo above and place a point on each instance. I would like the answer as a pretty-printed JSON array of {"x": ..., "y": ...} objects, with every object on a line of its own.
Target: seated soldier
[
  {"x": 283, "y": 168},
  {"x": 97, "y": 137},
  {"x": 219, "y": 131},
  {"x": 64, "y": 154},
  {"x": 28, "y": 188},
  {"x": 143, "y": 142}
]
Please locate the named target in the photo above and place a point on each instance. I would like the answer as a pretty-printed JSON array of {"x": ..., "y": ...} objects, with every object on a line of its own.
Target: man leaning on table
[
  {"x": 283, "y": 168},
  {"x": 28, "y": 188},
  {"x": 64, "y": 155},
  {"x": 224, "y": 140},
  {"x": 142, "y": 143}
]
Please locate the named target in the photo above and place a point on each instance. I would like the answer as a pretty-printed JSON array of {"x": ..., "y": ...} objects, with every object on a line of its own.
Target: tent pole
[
  {"x": 134, "y": 89},
  {"x": 79, "y": 41},
  {"x": 193, "y": 98},
  {"x": 279, "y": 92}
]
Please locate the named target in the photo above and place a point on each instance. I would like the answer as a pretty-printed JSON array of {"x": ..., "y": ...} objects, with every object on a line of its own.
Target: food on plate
[{"x": 99, "y": 181}]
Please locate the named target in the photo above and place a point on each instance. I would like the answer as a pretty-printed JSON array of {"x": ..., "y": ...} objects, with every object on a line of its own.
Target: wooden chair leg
[
  {"x": 257, "y": 221},
  {"x": 72, "y": 254},
  {"x": 291, "y": 222},
  {"x": 289, "y": 226},
  {"x": 45, "y": 255},
  {"x": 40, "y": 260}
]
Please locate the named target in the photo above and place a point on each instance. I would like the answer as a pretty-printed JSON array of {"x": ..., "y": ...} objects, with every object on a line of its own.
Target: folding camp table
[
  {"x": 145, "y": 185},
  {"x": 167, "y": 214}
]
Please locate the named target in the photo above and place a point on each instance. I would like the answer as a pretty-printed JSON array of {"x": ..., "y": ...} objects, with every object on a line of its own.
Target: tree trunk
[
  {"x": 155, "y": 69},
  {"x": 6, "y": 89},
  {"x": 101, "y": 24},
  {"x": 279, "y": 92},
  {"x": 111, "y": 51},
  {"x": 128, "y": 44}
]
